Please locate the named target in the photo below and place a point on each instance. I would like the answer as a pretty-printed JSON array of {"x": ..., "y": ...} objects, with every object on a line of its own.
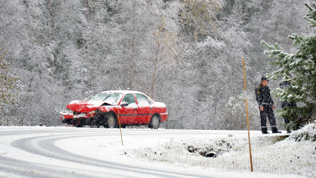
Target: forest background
[{"x": 185, "y": 53}]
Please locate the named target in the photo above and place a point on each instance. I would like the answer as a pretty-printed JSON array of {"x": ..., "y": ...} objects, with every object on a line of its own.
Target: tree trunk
[
  {"x": 156, "y": 63},
  {"x": 133, "y": 49}
]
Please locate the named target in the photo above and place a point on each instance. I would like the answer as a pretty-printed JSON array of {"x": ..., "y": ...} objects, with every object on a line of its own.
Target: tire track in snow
[{"x": 44, "y": 146}]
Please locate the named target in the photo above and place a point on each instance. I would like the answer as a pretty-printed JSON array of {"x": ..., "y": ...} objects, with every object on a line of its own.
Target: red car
[{"x": 111, "y": 108}]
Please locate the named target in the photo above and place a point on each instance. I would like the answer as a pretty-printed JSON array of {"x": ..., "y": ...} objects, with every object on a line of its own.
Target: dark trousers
[
  {"x": 286, "y": 120},
  {"x": 267, "y": 112}
]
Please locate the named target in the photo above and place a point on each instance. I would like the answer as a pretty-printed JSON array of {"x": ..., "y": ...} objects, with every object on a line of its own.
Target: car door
[
  {"x": 128, "y": 114},
  {"x": 145, "y": 109}
]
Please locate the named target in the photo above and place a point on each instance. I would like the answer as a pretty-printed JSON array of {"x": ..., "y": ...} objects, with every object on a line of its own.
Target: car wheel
[
  {"x": 111, "y": 121},
  {"x": 77, "y": 122},
  {"x": 154, "y": 123},
  {"x": 80, "y": 122},
  {"x": 98, "y": 118}
]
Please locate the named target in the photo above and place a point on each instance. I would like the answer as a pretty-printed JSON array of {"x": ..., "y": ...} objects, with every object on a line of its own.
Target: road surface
[{"x": 91, "y": 152}]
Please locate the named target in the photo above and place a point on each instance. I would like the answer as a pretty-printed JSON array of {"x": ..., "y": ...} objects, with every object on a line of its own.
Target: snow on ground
[
  {"x": 269, "y": 154},
  {"x": 167, "y": 150},
  {"x": 285, "y": 157}
]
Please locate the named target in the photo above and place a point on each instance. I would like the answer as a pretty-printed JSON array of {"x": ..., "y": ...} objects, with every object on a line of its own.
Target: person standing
[
  {"x": 283, "y": 85},
  {"x": 266, "y": 106}
]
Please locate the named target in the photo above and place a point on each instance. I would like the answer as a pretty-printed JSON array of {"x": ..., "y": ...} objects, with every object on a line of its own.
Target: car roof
[
  {"x": 121, "y": 91},
  {"x": 126, "y": 92}
]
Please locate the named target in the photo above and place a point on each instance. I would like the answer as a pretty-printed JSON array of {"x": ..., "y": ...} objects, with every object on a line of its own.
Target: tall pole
[
  {"x": 119, "y": 121},
  {"x": 243, "y": 65},
  {"x": 120, "y": 128}
]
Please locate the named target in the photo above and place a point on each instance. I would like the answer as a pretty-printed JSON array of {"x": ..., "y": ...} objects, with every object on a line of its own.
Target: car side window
[
  {"x": 129, "y": 98},
  {"x": 142, "y": 100}
]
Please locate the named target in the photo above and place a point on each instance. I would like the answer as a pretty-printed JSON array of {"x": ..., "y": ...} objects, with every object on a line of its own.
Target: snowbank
[
  {"x": 270, "y": 155},
  {"x": 308, "y": 132}
]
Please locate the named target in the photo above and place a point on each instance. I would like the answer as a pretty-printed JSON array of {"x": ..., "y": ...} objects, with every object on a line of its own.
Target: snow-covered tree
[
  {"x": 198, "y": 17},
  {"x": 234, "y": 115},
  {"x": 300, "y": 70},
  {"x": 8, "y": 93},
  {"x": 89, "y": 70},
  {"x": 65, "y": 50}
]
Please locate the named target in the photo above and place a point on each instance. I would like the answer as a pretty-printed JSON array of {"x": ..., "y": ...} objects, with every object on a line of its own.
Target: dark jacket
[
  {"x": 284, "y": 85},
  {"x": 263, "y": 95},
  {"x": 288, "y": 104}
]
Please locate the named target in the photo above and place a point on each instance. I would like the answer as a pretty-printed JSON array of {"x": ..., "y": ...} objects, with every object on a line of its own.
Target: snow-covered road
[{"x": 98, "y": 152}]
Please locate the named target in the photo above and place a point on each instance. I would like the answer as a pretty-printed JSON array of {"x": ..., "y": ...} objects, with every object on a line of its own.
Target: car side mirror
[{"x": 124, "y": 104}]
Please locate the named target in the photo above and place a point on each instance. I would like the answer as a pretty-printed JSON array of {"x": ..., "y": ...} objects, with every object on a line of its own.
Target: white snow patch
[
  {"x": 308, "y": 132},
  {"x": 166, "y": 150},
  {"x": 74, "y": 101},
  {"x": 92, "y": 104},
  {"x": 284, "y": 157},
  {"x": 271, "y": 157},
  {"x": 160, "y": 104}
]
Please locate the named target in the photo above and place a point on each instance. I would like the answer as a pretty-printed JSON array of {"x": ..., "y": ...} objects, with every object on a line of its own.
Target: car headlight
[
  {"x": 91, "y": 114},
  {"x": 68, "y": 111}
]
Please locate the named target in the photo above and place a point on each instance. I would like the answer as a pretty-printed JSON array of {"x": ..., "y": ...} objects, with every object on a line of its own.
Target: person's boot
[
  {"x": 275, "y": 130},
  {"x": 264, "y": 131}
]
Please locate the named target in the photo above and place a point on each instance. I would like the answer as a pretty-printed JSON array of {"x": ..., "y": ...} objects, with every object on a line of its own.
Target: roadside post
[
  {"x": 119, "y": 121},
  {"x": 243, "y": 65}
]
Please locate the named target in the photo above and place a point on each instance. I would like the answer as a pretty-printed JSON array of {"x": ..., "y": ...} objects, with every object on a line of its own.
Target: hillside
[{"x": 184, "y": 53}]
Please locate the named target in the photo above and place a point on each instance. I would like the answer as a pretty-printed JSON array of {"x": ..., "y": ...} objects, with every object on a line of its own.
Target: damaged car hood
[{"x": 84, "y": 106}]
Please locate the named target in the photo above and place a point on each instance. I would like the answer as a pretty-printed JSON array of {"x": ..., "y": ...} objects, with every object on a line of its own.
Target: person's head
[{"x": 264, "y": 81}]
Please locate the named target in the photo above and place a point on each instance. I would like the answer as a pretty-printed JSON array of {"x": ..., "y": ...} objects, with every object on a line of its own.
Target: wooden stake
[
  {"x": 243, "y": 65},
  {"x": 118, "y": 118}
]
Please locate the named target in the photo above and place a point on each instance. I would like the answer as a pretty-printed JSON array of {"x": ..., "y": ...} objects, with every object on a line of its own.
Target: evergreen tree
[{"x": 300, "y": 70}]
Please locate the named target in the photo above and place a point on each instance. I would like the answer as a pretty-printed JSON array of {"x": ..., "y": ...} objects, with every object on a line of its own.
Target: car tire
[
  {"x": 154, "y": 122},
  {"x": 98, "y": 119},
  {"x": 78, "y": 122},
  {"x": 81, "y": 122},
  {"x": 111, "y": 121}
]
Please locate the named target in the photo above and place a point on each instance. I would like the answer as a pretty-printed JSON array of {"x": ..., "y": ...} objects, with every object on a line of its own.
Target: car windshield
[
  {"x": 113, "y": 98},
  {"x": 110, "y": 98},
  {"x": 99, "y": 97}
]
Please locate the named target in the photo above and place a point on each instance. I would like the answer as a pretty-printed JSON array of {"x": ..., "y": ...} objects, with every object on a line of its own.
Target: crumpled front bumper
[{"x": 64, "y": 116}]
